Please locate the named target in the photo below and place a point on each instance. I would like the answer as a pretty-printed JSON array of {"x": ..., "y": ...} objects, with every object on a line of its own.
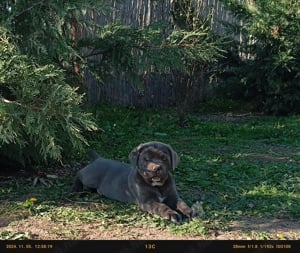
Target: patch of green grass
[
  {"x": 236, "y": 168},
  {"x": 8, "y": 235}
]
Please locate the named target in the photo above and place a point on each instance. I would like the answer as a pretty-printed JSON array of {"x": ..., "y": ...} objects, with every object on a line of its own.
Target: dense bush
[
  {"x": 267, "y": 66},
  {"x": 39, "y": 112},
  {"x": 40, "y": 75},
  {"x": 48, "y": 31}
]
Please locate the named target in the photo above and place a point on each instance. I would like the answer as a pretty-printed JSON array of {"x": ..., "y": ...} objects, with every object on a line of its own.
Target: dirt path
[{"x": 43, "y": 228}]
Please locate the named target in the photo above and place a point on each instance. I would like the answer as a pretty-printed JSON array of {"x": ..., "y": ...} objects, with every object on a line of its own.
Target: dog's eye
[{"x": 147, "y": 159}]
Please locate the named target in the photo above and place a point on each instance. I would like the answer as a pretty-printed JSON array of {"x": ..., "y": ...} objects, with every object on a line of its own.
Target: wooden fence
[{"x": 157, "y": 90}]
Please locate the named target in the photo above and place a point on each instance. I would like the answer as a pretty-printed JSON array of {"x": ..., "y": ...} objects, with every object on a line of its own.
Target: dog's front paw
[
  {"x": 174, "y": 216},
  {"x": 185, "y": 209},
  {"x": 188, "y": 212}
]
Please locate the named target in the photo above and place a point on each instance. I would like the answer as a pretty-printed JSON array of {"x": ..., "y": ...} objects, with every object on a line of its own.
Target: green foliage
[
  {"x": 184, "y": 48},
  {"x": 51, "y": 33},
  {"x": 135, "y": 50},
  {"x": 121, "y": 49},
  {"x": 268, "y": 71},
  {"x": 41, "y": 67},
  {"x": 48, "y": 30},
  {"x": 39, "y": 112}
]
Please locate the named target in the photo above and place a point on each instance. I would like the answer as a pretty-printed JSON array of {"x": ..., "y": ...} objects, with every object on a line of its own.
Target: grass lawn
[{"x": 242, "y": 171}]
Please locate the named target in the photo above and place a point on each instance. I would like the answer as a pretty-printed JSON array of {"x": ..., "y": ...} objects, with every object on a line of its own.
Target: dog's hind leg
[{"x": 77, "y": 185}]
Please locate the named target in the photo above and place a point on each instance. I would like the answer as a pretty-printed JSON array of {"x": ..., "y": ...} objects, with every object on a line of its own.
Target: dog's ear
[
  {"x": 174, "y": 157},
  {"x": 134, "y": 155}
]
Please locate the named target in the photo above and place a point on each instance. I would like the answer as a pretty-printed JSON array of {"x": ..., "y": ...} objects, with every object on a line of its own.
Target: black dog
[{"x": 146, "y": 182}]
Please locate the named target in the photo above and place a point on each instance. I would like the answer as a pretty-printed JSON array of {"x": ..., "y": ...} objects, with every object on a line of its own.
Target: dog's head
[{"x": 153, "y": 161}]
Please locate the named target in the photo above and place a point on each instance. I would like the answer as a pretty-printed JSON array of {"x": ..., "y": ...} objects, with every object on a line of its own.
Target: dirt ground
[{"x": 43, "y": 228}]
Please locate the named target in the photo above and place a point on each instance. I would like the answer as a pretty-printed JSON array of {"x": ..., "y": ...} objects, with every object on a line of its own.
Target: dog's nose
[{"x": 156, "y": 167}]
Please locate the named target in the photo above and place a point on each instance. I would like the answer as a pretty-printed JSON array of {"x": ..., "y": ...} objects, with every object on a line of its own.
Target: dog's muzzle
[
  {"x": 154, "y": 178},
  {"x": 156, "y": 181}
]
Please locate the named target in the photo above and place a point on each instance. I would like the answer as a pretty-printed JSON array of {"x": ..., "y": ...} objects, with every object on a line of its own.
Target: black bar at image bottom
[{"x": 145, "y": 246}]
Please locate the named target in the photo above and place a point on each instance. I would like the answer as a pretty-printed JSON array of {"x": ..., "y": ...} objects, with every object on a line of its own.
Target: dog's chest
[
  {"x": 161, "y": 199},
  {"x": 161, "y": 195}
]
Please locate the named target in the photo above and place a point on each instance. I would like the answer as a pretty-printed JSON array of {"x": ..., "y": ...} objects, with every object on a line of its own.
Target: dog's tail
[{"x": 93, "y": 154}]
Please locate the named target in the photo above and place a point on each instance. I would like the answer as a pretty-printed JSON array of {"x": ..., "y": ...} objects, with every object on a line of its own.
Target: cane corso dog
[{"x": 147, "y": 181}]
